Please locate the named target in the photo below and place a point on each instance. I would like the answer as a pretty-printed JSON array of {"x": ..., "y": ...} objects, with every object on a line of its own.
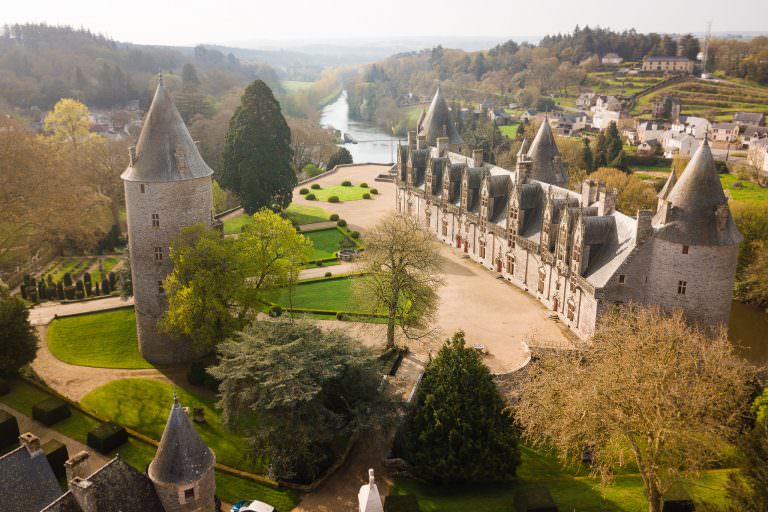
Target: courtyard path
[
  {"x": 342, "y": 268},
  {"x": 45, "y": 313}
]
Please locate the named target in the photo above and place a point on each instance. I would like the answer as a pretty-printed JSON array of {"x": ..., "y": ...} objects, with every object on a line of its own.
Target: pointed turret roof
[
  {"x": 543, "y": 151},
  {"x": 437, "y": 122},
  {"x": 694, "y": 203},
  {"x": 165, "y": 151},
  {"x": 182, "y": 456},
  {"x": 670, "y": 183},
  {"x": 368, "y": 498},
  {"x": 523, "y": 147}
]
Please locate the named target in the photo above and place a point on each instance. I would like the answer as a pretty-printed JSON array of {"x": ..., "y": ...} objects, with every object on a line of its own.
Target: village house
[
  {"x": 500, "y": 117},
  {"x": 650, "y": 130},
  {"x": 566, "y": 123},
  {"x": 757, "y": 156},
  {"x": 682, "y": 144},
  {"x": 696, "y": 126},
  {"x": 666, "y": 107},
  {"x": 648, "y": 148},
  {"x": 724, "y": 132},
  {"x": 669, "y": 65},
  {"x": 586, "y": 100},
  {"x": 611, "y": 59},
  {"x": 575, "y": 252},
  {"x": 749, "y": 118},
  {"x": 752, "y": 134}
]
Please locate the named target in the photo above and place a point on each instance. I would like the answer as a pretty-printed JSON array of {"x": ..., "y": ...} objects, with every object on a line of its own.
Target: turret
[
  {"x": 437, "y": 122},
  {"x": 547, "y": 165},
  {"x": 368, "y": 498}
]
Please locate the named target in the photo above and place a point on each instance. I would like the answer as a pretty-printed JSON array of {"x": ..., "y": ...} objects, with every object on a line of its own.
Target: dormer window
[
  {"x": 141, "y": 188},
  {"x": 622, "y": 278},
  {"x": 685, "y": 249}
]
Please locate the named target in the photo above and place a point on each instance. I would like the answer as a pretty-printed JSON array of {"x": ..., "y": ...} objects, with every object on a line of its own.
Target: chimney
[
  {"x": 84, "y": 492},
  {"x": 31, "y": 442},
  {"x": 588, "y": 192},
  {"x": 477, "y": 157},
  {"x": 131, "y": 155},
  {"x": 644, "y": 229},
  {"x": 607, "y": 202},
  {"x": 442, "y": 145},
  {"x": 421, "y": 142},
  {"x": 77, "y": 466},
  {"x": 412, "y": 139}
]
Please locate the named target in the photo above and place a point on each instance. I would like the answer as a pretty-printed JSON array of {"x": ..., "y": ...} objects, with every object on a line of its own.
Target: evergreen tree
[
  {"x": 18, "y": 342},
  {"x": 621, "y": 161},
  {"x": 341, "y": 156},
  {"x": 256, "y": 162},
  {"x": 458, "y": 429},
  {"x": 586, "y": 155}
]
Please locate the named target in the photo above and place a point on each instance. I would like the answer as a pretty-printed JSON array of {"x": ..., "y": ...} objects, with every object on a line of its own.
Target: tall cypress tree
[{"x": 256, "y": 162}]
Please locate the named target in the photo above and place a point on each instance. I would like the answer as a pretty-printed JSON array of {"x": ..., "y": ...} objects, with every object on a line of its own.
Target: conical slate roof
[
  {"x": 694, "y": 201},
  {"x": 437, "y": 122},
  {"x": 368, "y": 498},
  {"x": 165, "y": 151},
  {"x": 543, "y": 151},
  {"x": 523, "y": 148},
  {"x": 181, "y": 457},
  {"x": 670, "y": 183}
]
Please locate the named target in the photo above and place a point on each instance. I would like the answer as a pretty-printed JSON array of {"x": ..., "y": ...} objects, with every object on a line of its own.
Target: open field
[
  {"x": 510, "y": 130},
  {"x": 104, "y": 340},
  {"x": 292, "y": 86},
  {"x": 353, "y": 193}
]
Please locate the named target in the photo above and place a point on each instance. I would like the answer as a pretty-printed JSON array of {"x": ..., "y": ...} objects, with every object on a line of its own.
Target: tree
[
  {"x": 747, "y": 489},
  {"x": 256, "y": 162},
  {"x": 586, "y": 155},
  {"x": 650, "y": 388},
  {"x": 69, "y": 121},
  {"x": 754, "y": 283},
  {"x": 402, "y": 267},
  {"x": 189, "y": 76},
  {"x": 458, "y": 429},
  {"x": 310, "y": 387},
  {"x": 342, "y": 156},
  {"x": 18, "y": 341}
]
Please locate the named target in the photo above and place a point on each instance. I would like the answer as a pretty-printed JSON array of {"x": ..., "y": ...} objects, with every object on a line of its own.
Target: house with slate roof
[{"x": 575, "y": 252}]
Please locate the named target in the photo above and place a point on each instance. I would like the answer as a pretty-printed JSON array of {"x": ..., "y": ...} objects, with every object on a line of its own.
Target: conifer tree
[
  {"x": 256, "y": 162},
  {"x": 586, "y": 154},
  {"x": 18, "y": 341}
]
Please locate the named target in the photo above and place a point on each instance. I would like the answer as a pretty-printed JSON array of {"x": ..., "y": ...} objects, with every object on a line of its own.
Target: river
[
  {"x": 374, "y": 145},
  {"x": 748, "y": 329}
]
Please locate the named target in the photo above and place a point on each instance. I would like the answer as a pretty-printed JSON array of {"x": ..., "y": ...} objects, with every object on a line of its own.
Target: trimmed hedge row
[
  {"x": 107, "y": 437},
  {"x": 51, "y": 411}
]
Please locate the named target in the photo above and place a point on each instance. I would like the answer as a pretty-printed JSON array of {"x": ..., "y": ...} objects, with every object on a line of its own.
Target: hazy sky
[{"x": 226, "y": 21}]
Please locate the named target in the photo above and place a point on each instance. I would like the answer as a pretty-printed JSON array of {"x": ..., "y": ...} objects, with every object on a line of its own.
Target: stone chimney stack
[
  {"x": 644, "y": 229},
  {"x": 77, "y": 466},
  {"x": 442, "y": 145},
  {"x": 412, "y": 139},
  {"x": 421, "y": 142},
  {"x": 477, "y": 157},
  {"x": 607, "y": 202},
  {"x": 84, "y": 492},
  {"x": 588, "y": 192},
  {"x": 31, "y": 442}
]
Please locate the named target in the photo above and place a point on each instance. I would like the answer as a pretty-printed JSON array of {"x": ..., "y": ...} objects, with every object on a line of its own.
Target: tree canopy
[{"x": 18, "y": 340}]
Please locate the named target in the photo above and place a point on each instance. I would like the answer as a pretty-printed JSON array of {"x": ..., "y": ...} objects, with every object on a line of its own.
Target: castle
[
  {"x": 167, "y": 187},
  {"x": 573, "y": 251}
]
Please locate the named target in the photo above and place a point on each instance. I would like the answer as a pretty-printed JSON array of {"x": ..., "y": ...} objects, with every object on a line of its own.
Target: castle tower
[
  {"x": 167, "y": 187},
  {"x": 547, "y": 165},
  {"x": 368, "y": 498},
  {"x": 437, "y": 123},
  {"x": 696, "y": 244},
  {"x": 182, "y": 471}
]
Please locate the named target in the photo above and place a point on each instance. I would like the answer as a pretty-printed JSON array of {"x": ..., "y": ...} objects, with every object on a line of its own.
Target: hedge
[
  {"x": 107, "y": 437},
  {"x": 406, "y": 503},
  {"x": 346, "y": 183},
  {"x": 366, "y": 196},
  {"x": 374, "y": 191},
  {"x": 363, "y": 185},
  {"x": 50, "y": 411},
  {"x": 334, "y": 217},
  {"x": 57, "y": 454},
  {"x": 341, "y": 223},
  {"x": 9, "y": 429}
]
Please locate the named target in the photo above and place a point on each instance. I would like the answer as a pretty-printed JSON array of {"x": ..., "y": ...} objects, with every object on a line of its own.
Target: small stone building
[
  {"x": 575, "y": 252},
  {"x": 167, "y": 187}
]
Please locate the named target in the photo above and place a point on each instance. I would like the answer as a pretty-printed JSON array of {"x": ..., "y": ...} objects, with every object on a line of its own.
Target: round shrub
[
  {"x": 275, "y": 311},
  {"x": 342, "y": 223},
  {"x": 346, "y": 183},
  {"x": 304, "y": 191},
  {"x": 333, "y": 199},
  {"x": 366, "y": 196},
  {"x": 374, "y": 191},
  {"x": 315, "y": 186},
  {"x": 363, "y": 185},
  {"x": 310, "y": 197},
  {"x": 328, "y": 274},
  {"x": 334, "y": 217},
  {"x": 320, "y": 264},
  {"x": 355, "y": 234},
  {"x": 340, "y": 316}
]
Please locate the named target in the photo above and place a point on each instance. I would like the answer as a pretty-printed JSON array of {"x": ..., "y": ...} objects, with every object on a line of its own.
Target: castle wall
[
  {"x": 177, "y": 204},
  {"x": 173, "y": 499}
]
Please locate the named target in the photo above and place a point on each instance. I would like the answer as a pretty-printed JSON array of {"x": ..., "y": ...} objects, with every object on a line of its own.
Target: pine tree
[
  {"x": 256, "y": 162},
  {"x": 458, "y": 429},
  {"x": 586, "y": 155},
  {"x": 18, "y": 341}
]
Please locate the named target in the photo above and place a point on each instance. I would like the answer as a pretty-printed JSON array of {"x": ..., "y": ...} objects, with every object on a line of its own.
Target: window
[
  {"x": 158, "y": 254},
  {"x": 571, "y": 309},
  {"x": 542, "y": 277},
  {"x": 510, "y": 264},
  {"x": 681, "y": 287},
  {"x": 160, "y": 288},
  {"x": 621, "y": 279},
  {"x": 685, "y": 249},
  {"x": 189, "y": 494},
  {"x": 155, "y": 220},
  {"x": 482, "y": 249},
  {"x": 141, "y": 188},
  {"x": 445, "y": 227}
]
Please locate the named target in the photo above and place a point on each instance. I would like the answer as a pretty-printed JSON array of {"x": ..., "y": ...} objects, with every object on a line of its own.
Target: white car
[{"x": 252, "y": 506}]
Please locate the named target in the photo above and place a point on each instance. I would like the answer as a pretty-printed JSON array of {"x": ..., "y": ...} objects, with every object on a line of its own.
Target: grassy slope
[
  {"x": 325, "y": 242},
  {"x": 353, "y": 193},
  {"x": 106, "y": 340}
]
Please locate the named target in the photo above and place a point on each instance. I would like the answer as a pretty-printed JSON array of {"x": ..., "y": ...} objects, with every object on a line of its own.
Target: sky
[{"x": 189, "y": 22}]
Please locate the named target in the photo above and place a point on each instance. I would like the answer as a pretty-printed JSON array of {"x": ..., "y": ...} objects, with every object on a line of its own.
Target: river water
[
  {"x": 748, "y": 329},
  {"x": 374, "y": 145}
]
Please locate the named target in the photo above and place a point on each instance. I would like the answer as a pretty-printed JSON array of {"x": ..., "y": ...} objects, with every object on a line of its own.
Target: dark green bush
[
  {"x": 340, "y": 316},
  {"x": 79, "y": 295},
  {"x": 67, "y": 279},
  {"x": 304, "y": 191},
  {"x": 32, "y": 294},
  {"x": 342, "y": 223},
  {"x": 86, "y": 277},
  {"x": 24, "y": 292},
  {"x": 355, "y": 234},
  {"x": 50, "y": 411},
  {"x": 275, "y": 311},
  {"x": 310, "y": 197},
  {"x": 60, "y": 290},
  {"x": 69, "y": 292},
  {"x": 328, "y": 274},
  {"x": 57, "y": 454},
  {"x": 333, "y": 199},
  {"x": 363, "y": 185},
  {"x": 346, "y": 183},
  {"x": 401, "y": 503},
  {"x": 196, "y": 373},
  {"x": 112, "y": 280},
  {"x": 334, "y": 217},
  {"x": 374, "y": 191},
  {"x": 366, "y": 196},
  {"x": 320, "y": 264},
  {"x": 105, "y": 286},
  {"x": 88, "y": 288},
  {"x": 9, "y": 429},
  {"x": 79, "y": 286},
  {"x": 315, "y": 186},
  {"x": 107, "y": 437}
]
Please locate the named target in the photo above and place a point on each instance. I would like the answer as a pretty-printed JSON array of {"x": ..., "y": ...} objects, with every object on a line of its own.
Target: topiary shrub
[
  {"x": 366, "y": 196},
  {"x": 310, "y": 197},
  {"x": 333, "y": 199},
  {"x": 346, "y": 183},
  {"x": 79, "y": 294},
  {"x": 341, "y": 223},
  {"x": 24, "y": 289},
  {"x": 363, "y": 185},
  {"x": 320, "y": 264},
  {"x": 107, "y": 437},
  {"x": 50, "y": 411},
  {"x": 315, "y": 186},
  {"x": 304, "y": 191},
  {"x": 105, "y": 287},
  {"x": 328, "y": 274},
  {"x": 355, "y": 234},
  {"x": 275, "y": 311},
  {"x": 112, "y": 280},
  {"x": 334, "y": 217},
  {"x": 69, "y": 292},
  {"x": 67, "y": 279},
  {"x": 374, "y": 191},
  {"x": 60, "y": 290},
  {"x": 340, "y": 316}
]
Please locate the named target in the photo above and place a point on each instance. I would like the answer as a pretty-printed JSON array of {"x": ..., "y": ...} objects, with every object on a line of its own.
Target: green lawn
[
  {"x": 749, "y": 192},
  {"x": 295, "y": 85},
  {"x": 299, "y": 213},
  {"x": 109, "y": 263},
  {"x": 106, "y": 340},
  {"x": 143, "y": 405},
  {"x": 332, "y": 295},
  {"x": 509, "y": 130},
  {"x": 235, "y": 225},
  {"x": 353, "y": 193},
  {"x": 325, "y": 242},
  {"x": 138, "y": 454}
]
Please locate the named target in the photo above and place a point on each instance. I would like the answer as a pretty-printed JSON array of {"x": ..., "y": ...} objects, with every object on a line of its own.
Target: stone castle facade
[
  {"x": 167, "y": 187},
  {"x": 573, "y": 251}
]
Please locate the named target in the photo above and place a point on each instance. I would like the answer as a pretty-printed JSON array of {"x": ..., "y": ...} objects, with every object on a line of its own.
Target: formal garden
[
  {"x": 345, "y": 191},
  {"x": 73, "y": 278}
]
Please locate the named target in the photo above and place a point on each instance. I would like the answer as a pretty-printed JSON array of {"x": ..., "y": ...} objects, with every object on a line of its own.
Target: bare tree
[
  {"x": 650, "y": 389},
  {"x": 402, "y": 267}
]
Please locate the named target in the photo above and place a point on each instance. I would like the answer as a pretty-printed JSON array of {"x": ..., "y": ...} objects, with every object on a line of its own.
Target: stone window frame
[
  {"x": 510, "y": 263},
  {"x": 155, "y": 220},
  {"x": 187, "y": 494},
  {"x": 681, "y": 287},
  {"x": 686, "y": 249},
  {"x": 622, "y": 279},
  {"x": 142, "y": 189},
  {"x": 158, "y": 254}
]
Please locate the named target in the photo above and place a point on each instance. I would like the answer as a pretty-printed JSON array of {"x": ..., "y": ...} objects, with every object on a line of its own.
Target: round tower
[
  {"x": 167, "y": 187},
  {"x": 182, "y": 471}
]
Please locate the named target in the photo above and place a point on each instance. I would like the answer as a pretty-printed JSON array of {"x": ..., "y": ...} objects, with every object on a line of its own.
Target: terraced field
[{"x": 607, "y": 82}]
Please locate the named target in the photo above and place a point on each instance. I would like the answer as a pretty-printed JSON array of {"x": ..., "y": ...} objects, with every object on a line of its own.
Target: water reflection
[
  {"x": 748, "y": 328},
  {"x": 374, "y": 145}
]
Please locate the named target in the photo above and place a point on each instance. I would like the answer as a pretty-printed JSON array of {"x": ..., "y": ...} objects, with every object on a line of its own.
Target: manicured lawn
[
  {"x": 306, "y": 214},
  {"x": 235, "y": 224},
  {"x": 325, "y": 242},
  {"x": 332, "y": 294},
  {"x": 353, "y": 193},
  {"x": 143, "y": 405},
  {"x": 106, "y": 340},
  {"x": 748, "y": 192}
]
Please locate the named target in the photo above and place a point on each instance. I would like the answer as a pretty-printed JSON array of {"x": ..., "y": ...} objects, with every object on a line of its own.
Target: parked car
[{"x": 252, "y": 506}]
